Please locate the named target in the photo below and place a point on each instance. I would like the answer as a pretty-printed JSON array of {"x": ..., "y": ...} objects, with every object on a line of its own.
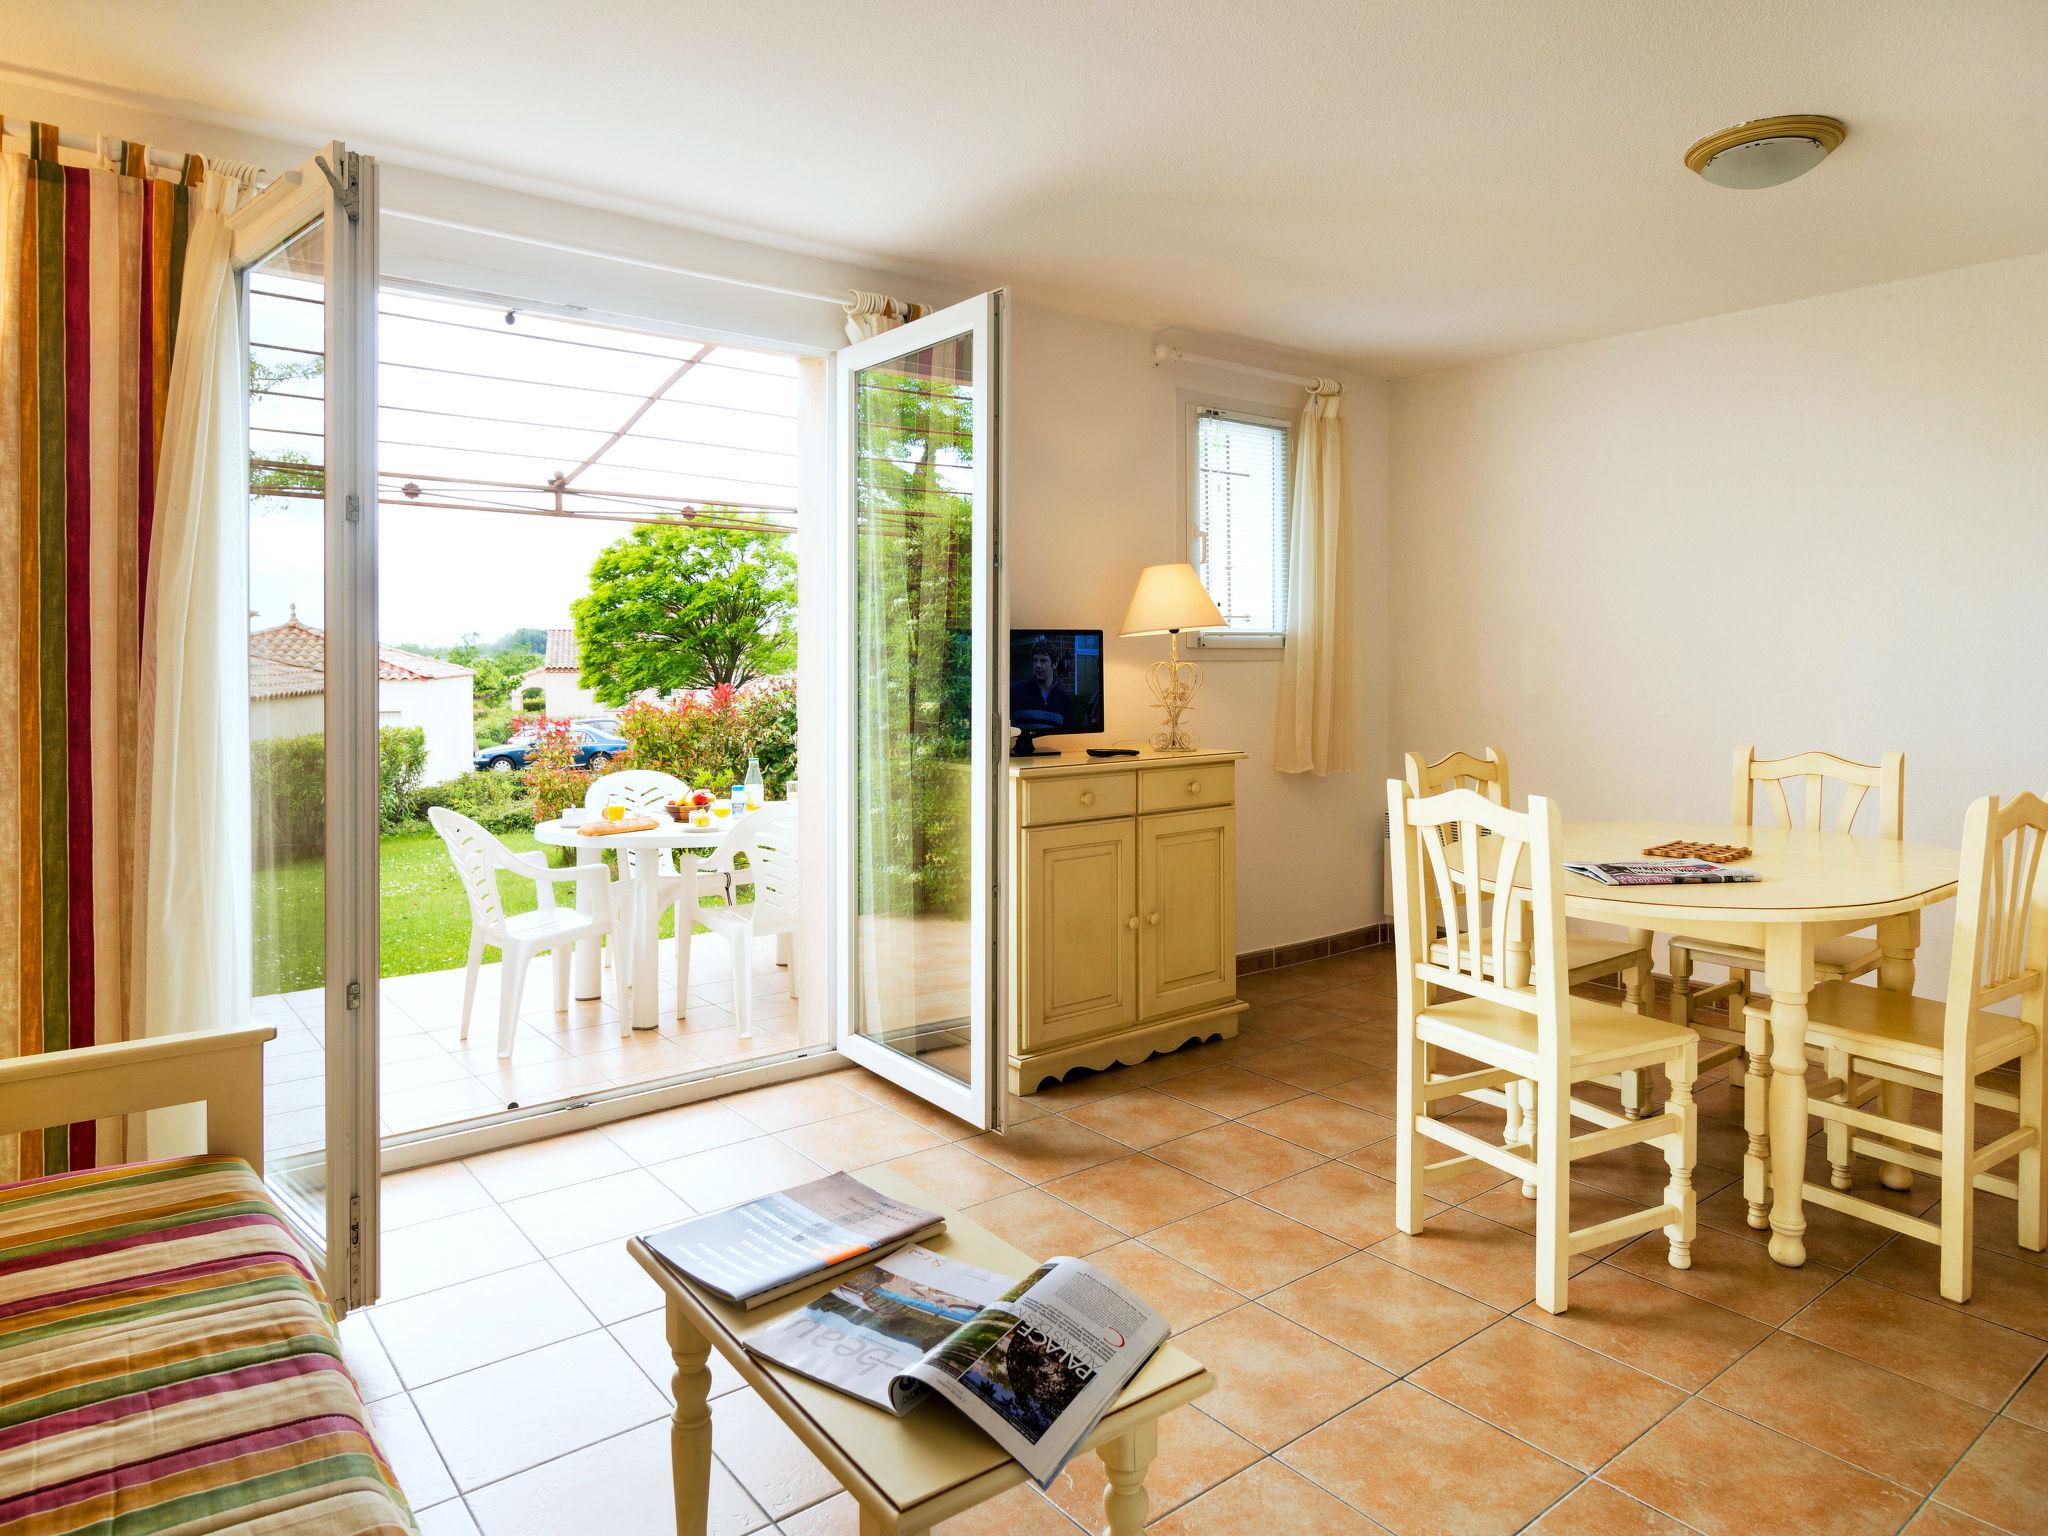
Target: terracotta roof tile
[
  {"x": 564, "y": 655},
  {"x": 291, "y": 658}
]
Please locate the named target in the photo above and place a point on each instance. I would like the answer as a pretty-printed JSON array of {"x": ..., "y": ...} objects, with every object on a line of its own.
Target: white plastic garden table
[
  {"x": 1813, "y": 886},
  {"x": 641, "y": 915}
]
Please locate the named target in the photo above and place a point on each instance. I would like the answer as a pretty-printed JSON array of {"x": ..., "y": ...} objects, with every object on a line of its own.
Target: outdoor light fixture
[
  {"x": 1169, "y": 599},
  {"x": 1766, "y": 153}
]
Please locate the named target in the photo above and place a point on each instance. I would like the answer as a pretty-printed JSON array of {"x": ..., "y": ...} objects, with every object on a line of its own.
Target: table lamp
[{"x": 1169, "y": 599}]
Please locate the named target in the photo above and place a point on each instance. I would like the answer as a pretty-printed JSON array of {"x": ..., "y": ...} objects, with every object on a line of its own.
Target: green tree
[{"x": 674, "y": 607}]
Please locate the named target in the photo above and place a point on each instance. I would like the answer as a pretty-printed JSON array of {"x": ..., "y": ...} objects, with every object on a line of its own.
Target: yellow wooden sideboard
[{"x": 1122, "y": 909}]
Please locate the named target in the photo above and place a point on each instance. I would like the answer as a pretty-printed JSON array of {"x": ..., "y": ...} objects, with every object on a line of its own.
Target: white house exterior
[
  {"x": 560, "y": 677},
  {"x": 288, "y": 686}
]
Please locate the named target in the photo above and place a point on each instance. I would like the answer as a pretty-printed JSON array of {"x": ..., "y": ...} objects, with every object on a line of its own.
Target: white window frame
[{"x": 1193, "y": 408}]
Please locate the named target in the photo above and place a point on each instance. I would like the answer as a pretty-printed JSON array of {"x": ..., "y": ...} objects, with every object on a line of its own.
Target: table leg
[
  {"x": 1897, "y": 938},
  {"x": 589, "y": 968},
  {"x": 1125, "y": 1459},
  {"x": 1788, "y": 971},
  {"x": 645, "y": 938},
  {"x": 690, "y": 1429}
]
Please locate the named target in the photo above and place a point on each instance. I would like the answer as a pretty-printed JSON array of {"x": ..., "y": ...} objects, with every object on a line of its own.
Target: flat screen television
[{"x": 1055, "y": 685}]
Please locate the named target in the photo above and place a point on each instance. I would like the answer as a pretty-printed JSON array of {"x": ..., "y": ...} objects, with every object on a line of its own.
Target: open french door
[
  {"x": 305, "y": 254},
  {"x": 920, "y": 740}
]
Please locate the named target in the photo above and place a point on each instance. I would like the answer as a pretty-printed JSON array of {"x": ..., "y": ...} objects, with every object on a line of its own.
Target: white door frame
[
  {"x": 980, "y": 1100},
  {"x": 340, "y": 187}
]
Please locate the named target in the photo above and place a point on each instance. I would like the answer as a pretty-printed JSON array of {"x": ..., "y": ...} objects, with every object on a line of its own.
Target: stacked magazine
[
  {"x": 1034, "y": 1362},
  {"x": 1662, "y": 872},
  {"x": 769, "y": 1247}
]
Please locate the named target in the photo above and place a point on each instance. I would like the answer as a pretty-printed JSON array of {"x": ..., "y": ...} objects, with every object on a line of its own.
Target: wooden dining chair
[
  {"x": 1455, "y": 999},
  {"x": 1999, "y": 957},
  {"x": 1591, "y": 957},
  {"x": 1746, "y": 1034}
]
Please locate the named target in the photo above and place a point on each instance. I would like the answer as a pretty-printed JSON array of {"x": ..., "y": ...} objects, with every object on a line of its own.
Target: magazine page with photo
[{"x": 1034, "y": 1362}]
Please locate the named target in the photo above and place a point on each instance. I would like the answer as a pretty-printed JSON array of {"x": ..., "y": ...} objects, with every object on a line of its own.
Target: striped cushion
[{"x": 168, "y": 1364}]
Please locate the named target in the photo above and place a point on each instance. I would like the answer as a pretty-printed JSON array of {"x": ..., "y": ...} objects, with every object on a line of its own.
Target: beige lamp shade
[{"x": 1170, "y": 597}]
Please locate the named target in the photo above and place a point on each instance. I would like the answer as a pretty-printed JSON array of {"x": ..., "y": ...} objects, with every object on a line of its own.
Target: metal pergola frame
[{"x": 552, "y": 496}]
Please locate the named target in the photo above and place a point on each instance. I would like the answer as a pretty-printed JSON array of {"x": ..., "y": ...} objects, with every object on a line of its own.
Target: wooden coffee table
[{"x": 910, "y": 1473}]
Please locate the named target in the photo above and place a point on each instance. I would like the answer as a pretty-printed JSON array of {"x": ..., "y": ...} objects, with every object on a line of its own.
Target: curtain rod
[
  {"x": 1162, "y": 353},
  {"x": 596, "y": 253},
  {"x": 96, "y": 144}
]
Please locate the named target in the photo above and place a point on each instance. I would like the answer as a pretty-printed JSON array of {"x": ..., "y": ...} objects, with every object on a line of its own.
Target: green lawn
[{"x": 424, "y": 917}]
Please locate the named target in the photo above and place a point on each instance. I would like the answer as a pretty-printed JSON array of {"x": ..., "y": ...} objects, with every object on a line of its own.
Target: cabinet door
[
  {"x": 1079, "y": 955},
  {"x": 1187, "y": 911}
]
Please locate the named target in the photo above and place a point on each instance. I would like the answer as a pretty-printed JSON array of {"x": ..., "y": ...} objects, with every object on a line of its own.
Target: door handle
[
  {"x": 1152, "y": 918},
  {"x": 1131, "y": 922}
]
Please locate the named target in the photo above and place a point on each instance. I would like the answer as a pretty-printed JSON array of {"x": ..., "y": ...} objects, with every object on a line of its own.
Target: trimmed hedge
[
  {"x": 497, "y": 801},
  {"x": 288, "y": 789}
]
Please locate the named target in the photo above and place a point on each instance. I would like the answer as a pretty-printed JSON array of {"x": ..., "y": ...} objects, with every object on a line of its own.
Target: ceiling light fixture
[{"x": 1766, "y": 153}]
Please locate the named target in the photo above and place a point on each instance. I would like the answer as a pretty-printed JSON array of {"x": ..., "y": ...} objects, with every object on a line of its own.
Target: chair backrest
[
  {"x": 1460, "y": 770},
  {"x": 1817, "y": 771},
  {"x": 638, "y": 789},
  {"x": 767, "y": 840},
  {"x": 2001, "y": 940},
  {"x": 476, "y": 853},
  {"x": 1435, "y": 880}
]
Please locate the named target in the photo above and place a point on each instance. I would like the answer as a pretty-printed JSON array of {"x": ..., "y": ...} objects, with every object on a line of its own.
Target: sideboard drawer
[
  {"x": 1187, "y": 789},
  {"x": 1086, "y": 797}
]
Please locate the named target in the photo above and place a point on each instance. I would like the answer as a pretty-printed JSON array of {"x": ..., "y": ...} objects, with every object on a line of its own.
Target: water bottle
[{"x": 757, "y": 792}]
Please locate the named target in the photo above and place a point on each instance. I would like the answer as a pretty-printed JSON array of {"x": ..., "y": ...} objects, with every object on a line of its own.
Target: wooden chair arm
[{"x": 222, "y": 1069}]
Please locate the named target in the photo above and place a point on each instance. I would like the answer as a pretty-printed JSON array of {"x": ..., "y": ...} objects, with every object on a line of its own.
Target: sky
[{"x": 465, "y": 398}]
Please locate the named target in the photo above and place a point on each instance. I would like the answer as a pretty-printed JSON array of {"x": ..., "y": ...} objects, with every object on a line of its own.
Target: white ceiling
[{"x": 1399, "y": 184}]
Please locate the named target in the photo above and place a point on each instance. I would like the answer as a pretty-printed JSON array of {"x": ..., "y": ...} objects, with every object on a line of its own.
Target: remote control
[{"x": 1112, "y": 751}]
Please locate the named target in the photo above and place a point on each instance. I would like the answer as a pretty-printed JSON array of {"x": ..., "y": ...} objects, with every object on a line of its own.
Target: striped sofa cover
[{"x": 168, "y": 1365}]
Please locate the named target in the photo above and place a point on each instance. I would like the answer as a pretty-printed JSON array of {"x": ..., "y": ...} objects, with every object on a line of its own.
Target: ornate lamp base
[{"x": 1174, "y": 683}]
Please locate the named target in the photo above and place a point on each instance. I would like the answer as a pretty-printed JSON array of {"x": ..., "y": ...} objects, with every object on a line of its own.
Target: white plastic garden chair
[
  {"x": 676, "y": 884},
  {"x": 478, "y": 857},
  {"x": 766, "y": 839}
]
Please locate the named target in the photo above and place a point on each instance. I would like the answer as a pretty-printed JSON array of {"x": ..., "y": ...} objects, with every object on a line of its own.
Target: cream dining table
[{"x": 1812, "y": 886}]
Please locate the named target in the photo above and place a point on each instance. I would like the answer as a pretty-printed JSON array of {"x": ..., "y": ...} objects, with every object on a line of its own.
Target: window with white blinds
[{"x": 1238, "y": 517}]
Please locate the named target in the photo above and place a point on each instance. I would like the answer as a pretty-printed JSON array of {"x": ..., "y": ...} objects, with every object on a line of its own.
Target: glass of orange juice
[
  {"x": 614, "y": 810},
  {"x": 721, "y": 808}
]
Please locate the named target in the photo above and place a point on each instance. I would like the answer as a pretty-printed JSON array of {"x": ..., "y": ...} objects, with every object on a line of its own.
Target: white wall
[
  {"x": 293, "y": 714},
  {"x": 443, "y": 708},
  {"x": 1096, "y": 436},
  {"x": 1823, "y": 524}
]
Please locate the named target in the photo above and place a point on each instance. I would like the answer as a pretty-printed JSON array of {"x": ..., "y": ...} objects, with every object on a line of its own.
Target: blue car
[{"x": 595, "y": 747}]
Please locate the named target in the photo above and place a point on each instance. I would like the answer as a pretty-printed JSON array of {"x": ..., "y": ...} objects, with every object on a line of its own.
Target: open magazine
[
  {"x": 769, "y": 1247},
  {"x": 1035, "y": 1362},
  {"x": 1662, "y": 872}
]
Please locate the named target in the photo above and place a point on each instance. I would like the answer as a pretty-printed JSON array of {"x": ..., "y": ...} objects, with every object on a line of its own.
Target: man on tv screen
[{"x": 1039, "y": 704}]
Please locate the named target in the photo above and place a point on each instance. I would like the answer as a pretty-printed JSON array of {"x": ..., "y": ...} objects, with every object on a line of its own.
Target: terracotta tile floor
[
  {"x": 1369, "y": 1382},
  {"x": 431, "y": 1077}
]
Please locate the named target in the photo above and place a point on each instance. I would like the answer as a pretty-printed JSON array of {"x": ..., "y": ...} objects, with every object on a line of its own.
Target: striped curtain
[{"x": 91, "y": 266}]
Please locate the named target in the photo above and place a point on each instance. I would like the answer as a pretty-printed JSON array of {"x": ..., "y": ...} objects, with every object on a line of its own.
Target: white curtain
[
  {"x": 870, "y": 314},
  {"x": 192, "y": 935},
  {"x": 1317, "y": 728}
]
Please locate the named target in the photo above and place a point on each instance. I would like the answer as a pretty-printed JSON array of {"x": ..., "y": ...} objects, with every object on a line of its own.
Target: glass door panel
[
  {"x": 285, "y": 314},
  {"x": 922, "y": 603},
  {"x": 306, "y": 255}
]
